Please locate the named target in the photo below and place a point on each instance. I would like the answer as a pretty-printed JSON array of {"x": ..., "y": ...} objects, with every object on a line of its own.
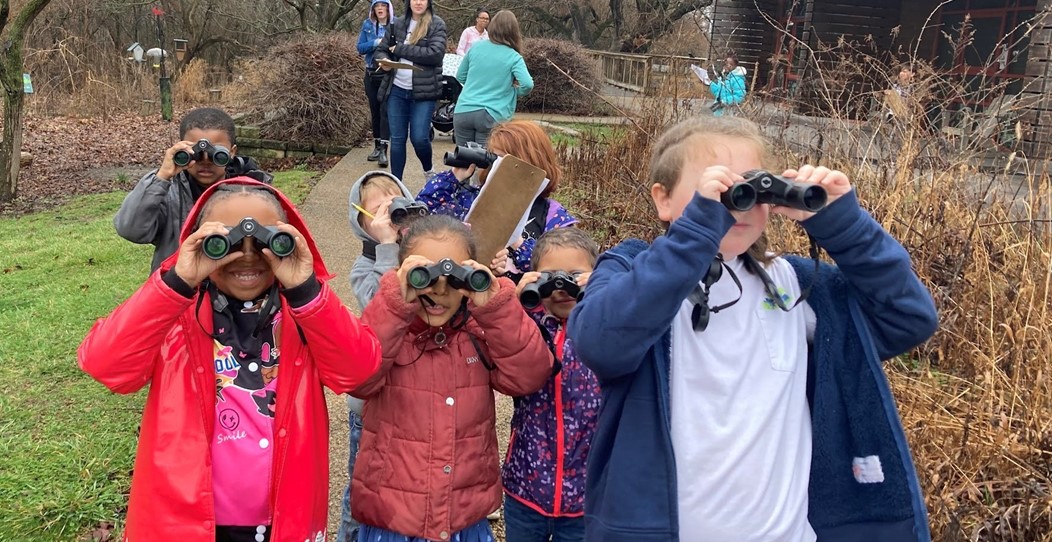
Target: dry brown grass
[
  {"x": 191, "y": 87},
  {"x": 976, "y": 400}
]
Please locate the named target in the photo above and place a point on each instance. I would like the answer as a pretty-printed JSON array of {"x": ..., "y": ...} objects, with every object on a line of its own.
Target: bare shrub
[
  {"x": 191, "y": 87},
  {"x": 311, "y": 90},
  {"x": 552, "y": 63}
]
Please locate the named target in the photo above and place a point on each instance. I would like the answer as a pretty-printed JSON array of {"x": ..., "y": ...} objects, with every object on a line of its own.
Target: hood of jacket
[
  {"x": 390, "y": 10},
  {"x": 356, "y": 199},
  {"x": 294, "y": 218},
  {"x": 739, "y": 71}
]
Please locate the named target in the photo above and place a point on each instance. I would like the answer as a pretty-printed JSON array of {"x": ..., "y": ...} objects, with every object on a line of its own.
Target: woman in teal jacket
[{"x": 494, "y": 75}]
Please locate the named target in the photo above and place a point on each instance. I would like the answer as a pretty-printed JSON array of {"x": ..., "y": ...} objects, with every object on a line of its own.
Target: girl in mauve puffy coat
[{"x": 428, "y": 463}]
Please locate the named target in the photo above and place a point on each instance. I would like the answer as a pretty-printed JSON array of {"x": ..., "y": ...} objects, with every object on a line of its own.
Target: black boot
[
  {"x": 377, "y": 153},
  {"x": 382, "y": 149}
]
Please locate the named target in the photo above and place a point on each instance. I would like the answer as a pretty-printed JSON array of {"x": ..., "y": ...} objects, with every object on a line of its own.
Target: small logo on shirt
[
  {"x": 473, "y": 359},
  {"x": 768, "y": 303}
]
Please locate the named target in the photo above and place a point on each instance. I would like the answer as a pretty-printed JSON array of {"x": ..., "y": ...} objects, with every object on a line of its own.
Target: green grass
[
  {"x": 597, "y": 132},
  {"x": 66, "y": 443}
]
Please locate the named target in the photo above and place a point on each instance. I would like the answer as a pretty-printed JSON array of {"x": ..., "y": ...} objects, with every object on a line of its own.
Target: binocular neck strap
[
  {"x": 771, "y": 288},
  {"x": 369, "y": 249},
  {"x": 220, "y": 303}
]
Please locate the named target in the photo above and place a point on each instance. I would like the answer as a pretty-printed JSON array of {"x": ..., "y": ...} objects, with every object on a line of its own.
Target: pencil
[{"x": 363, "y": 211}]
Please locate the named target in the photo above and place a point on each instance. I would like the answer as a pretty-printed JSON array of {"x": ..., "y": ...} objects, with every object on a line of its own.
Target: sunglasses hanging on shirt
[{"x": 699, "y": 296}]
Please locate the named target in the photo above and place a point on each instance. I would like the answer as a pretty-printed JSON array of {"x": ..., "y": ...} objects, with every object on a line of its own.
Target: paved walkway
[{"x": 326, "y": 214}]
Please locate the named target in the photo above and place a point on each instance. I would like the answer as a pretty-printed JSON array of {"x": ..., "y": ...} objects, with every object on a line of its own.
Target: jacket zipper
[{"x": 560, "y": 440}]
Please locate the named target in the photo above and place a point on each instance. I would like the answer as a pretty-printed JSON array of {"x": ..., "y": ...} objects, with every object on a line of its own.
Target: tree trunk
[{"x": 11, "y": 146}]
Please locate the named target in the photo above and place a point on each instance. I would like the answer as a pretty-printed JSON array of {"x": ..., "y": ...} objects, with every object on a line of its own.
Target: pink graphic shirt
[{"x": 242, "y": 452}]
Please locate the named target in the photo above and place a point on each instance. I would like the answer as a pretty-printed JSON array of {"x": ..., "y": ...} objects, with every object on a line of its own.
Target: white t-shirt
[
  {"x": 741, "y": 429},
  {"x": 404, "y": 78}
]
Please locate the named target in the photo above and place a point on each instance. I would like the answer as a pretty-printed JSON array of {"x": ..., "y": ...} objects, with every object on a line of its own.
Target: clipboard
[
  {"x": 397, "y": 65},
  {"x": 503, "y": 203}
]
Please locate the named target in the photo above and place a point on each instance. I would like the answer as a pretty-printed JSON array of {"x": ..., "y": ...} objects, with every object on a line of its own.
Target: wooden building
[{"x": 1004, "y": 54}]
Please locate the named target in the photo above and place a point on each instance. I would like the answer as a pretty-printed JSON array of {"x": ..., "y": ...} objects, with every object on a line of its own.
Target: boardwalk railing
[{"x": 643, "y": 73}]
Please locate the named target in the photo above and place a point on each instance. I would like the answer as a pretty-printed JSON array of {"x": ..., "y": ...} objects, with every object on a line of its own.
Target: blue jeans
[
  {"x": 348, "y": 531},
  {"x": 409, "y": 119},
  {"x": 524, "y": 524}
]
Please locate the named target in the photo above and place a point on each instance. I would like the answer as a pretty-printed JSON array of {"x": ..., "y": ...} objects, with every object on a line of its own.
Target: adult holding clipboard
[{"x": 415, "y": 45}]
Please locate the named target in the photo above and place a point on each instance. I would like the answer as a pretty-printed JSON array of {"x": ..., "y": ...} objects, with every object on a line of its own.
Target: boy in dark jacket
[{"x": 154, "y": 211}]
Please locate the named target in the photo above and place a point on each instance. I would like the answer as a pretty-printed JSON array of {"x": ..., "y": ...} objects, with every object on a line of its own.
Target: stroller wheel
[{"x": 432, "y": 133}]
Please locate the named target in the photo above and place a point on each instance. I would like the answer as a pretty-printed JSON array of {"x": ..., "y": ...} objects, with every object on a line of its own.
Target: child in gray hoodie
[{"x": 370, "y": 201}]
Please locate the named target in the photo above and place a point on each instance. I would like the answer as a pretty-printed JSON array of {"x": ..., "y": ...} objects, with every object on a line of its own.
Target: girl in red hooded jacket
[
  {"x": 427, "y": 467},
  {"x": 230, "y": 451}
]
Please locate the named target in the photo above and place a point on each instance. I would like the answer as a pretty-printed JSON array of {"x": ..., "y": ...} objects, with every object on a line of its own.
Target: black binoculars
[
  {"x": 473, "y": 153},
  {"x": 460, "y": 277},
  {"x": 764, "y": 187},
  {"x": 217, "y": 246},
  {"x": 550, "y": 282},
  {"x": 218, "y": 154},
  {"x": 402, "y": 209}
]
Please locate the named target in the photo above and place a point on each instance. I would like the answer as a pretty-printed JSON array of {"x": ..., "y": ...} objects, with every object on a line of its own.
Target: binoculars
[
  {"x": 473, "y": 153},
  {"x": 532, "y": 294},
  {"x": 217, "y": 246},
  {"x": 460, "y": 277},
  {"x": 218, "y": 154},
  {"x": 764, "y": 187},
  {"x": 402, "y": 209}
]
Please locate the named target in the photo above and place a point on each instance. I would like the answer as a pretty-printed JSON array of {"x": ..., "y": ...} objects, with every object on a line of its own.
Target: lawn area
[
  {"x": 66, "y": 443},
  {"x": 596, "y": 132}
]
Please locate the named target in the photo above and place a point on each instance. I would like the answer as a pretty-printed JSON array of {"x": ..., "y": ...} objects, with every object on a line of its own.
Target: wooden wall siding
[
  {"x": 739, "y": 25},
  {"x": 855, "y": 20},
  {"x": 1037, "y": 93}
]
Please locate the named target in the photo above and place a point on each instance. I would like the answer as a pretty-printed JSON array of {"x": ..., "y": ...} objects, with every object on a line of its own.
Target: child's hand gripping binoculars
[
  {"x": 460, "y": 277},
  {"x": 550, "y": 282},
  {"x": 218, "y": 154},
  {"x": 472, "y": 153},
  {"x": 217, "y": 246},
  {"x": 765, "y": 187},
  {"x": 402, "y": 209}
]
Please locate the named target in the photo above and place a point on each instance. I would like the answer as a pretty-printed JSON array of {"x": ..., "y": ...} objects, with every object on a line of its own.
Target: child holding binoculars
[
  {"x": 750, "y": 385},
  {"x": 451, "y": 333},
  {"x": 452, "y": 192},
  {"x": 154, "y": 211},
  {"x": 544, "y": 473},
  {"x": 229, "y": 449}
]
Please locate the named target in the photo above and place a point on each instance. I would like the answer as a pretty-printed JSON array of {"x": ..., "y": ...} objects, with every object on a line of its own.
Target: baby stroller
[{"x": 442, "y": 119}]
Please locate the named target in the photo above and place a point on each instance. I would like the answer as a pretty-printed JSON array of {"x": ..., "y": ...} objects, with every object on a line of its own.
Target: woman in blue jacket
[
  {"x": 374, "y": 28},
  {"x": 743, "y": 393}
]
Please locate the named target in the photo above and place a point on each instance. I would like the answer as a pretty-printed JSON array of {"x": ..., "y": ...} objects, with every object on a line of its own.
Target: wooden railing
[{"x": 643, "y": 73}]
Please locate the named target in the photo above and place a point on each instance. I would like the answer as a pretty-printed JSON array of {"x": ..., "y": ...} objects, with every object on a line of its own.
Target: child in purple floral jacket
[
  {"x": 544, "y": 473},
  {"x": 452, "y": 192}
]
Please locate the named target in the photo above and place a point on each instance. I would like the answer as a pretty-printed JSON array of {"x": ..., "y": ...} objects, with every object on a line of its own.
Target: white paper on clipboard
[{"x": 517, "y": 233}]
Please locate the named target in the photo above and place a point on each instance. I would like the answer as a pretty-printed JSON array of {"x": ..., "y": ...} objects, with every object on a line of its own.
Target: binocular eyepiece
[
  {"x": 460, "y": 277},
  {"x": 764, "y": 187},
  {"x": 217, "y": 246},
  {"x": 218, "y": 154},
  {"x": 403, "y": 209},
  {"x": 550, "y": 282},
  {"x": 472, "y": 153}
]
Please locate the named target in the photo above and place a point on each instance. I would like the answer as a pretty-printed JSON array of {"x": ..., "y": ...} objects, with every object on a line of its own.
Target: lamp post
[{"x": 165, "y": 82}]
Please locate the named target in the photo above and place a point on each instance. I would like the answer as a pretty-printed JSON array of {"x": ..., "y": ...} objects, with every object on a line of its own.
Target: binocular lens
[
  {"x": 813, "y": 198},
  {"x": 282, "y": 244},
  {"x": 740, "y": 197},
  {"x": 220, "y": 158},
  {"x": 419, "y": 277},
  {"x": 216, "y": 247},
  {"x": 478, "y": 280},
  {"x": 530, "y": 299},
  {"x": 181, "y": 158}
]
